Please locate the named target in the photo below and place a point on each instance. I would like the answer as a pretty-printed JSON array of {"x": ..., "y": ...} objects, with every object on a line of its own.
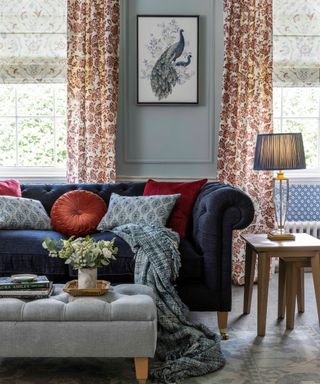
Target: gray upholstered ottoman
[{"x": 122, "y": 323}]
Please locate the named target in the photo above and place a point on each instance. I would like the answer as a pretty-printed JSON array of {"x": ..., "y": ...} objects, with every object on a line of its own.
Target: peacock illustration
[
  {"x": 184, "y": 63},
  {"x": 164, "y": 75}
]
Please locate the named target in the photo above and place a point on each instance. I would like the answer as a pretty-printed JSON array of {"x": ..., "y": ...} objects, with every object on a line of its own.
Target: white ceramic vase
[{"x": 87, "y": 278}]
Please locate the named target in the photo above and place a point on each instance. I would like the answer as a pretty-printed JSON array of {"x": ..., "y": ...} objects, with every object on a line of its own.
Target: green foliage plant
[{"x": 82, "y": 252}]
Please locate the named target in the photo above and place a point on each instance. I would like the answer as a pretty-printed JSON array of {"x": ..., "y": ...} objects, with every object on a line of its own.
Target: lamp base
[{"x": 278, "y": 235}]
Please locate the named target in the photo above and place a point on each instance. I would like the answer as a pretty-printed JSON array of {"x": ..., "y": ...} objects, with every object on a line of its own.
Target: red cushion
[
  {"x": 181, "y": 213},
  {"x": 77, "y": 213},
  {"x": 10, "y": 188}
]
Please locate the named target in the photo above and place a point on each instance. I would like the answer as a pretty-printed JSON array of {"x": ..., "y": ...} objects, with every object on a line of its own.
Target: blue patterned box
[{"x": 304, "y": 202}]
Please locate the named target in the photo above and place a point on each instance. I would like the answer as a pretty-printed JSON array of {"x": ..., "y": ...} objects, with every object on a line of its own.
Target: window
[
  {"x": 33, "y": 41},
  {"x": 296, "y": 75},
  {"x": 33, "y": 125},
  {"x": 297, "y": 109}
]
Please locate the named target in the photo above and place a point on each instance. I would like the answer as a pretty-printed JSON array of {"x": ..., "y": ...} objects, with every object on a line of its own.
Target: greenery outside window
[
  {"x": 297, "y": 109},
  {"x": 32, "y": 125}
]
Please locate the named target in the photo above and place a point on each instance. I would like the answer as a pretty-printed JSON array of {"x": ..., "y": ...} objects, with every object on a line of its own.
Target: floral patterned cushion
[
  {"x": 21, "y": 213},
  {"x": 152, "y": 210}
]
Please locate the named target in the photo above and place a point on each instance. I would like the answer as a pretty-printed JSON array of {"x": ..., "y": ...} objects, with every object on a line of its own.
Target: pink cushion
[
  {"x": 10, "y": 188},
  {"x": 180, "y": 216}
]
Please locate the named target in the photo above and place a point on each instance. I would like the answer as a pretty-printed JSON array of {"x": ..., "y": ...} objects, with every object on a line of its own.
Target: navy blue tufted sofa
[{"x": 204, "y": 283}]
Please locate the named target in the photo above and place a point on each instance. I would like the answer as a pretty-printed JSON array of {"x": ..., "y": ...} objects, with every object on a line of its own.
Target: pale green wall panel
[{"x": 170, "y": 141}]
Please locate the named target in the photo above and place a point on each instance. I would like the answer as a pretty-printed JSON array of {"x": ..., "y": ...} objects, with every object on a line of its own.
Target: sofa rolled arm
[{"x": 218, "y": 210}]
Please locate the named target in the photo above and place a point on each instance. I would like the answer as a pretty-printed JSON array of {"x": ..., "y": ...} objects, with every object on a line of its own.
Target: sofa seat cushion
[
  {"x": 122, "y": 269},
  {"x": 21, "y": 251}
]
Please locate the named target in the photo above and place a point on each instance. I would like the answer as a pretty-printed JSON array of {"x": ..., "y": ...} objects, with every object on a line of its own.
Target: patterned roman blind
[
  {"x": 33, "y": 41},
  {"x": 296, "y": 42}
]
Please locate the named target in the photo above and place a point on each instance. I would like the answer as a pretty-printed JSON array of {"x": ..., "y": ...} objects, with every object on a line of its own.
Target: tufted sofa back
[{"x": 49, "y": 193}]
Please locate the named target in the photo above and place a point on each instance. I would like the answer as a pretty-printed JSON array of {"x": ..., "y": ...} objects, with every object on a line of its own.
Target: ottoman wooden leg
[{"x": 141, "y": 365}]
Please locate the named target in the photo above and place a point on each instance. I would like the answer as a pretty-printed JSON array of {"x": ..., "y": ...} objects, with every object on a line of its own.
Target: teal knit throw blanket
[{"x": 184, "y": 349}]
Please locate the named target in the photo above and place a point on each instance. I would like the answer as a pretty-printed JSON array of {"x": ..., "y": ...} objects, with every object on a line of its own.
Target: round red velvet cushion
[{"x": 77, "y": 213}]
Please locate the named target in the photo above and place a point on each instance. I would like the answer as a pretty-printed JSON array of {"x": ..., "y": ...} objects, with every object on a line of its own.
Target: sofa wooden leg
[
  {"x": 223, "y": 324},
  {"x": 141, "y": 366}
]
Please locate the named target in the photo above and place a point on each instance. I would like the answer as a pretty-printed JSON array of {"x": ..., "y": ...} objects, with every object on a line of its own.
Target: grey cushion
[
  {"x": 152, "y": 210},
  {"x": 21, "y": 213},
  {"x": 127, "y": 302}
]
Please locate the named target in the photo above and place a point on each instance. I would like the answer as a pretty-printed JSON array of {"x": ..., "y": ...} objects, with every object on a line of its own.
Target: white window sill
[
  {"x": 304, "y": 176},
  {"x": 37, "y": 175},
  {"x": 52, "y": 175}
]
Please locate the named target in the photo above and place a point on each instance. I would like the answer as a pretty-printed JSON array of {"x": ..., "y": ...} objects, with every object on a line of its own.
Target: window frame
[
  {"x": 308, "y": 175},
  {"x": 45, "y": 173},
  {"x": 34, "y": 174}
]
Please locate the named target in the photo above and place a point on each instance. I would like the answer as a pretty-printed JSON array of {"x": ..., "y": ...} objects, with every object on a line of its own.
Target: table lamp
[{"x": 277, "y": 152}]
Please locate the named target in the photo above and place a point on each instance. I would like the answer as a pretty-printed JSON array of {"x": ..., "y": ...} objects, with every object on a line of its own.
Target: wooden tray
[{"x": 71, "y": 287}]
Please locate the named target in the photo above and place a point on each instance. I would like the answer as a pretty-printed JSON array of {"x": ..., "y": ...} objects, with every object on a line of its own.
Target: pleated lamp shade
[{"x": 279, "y": 151}]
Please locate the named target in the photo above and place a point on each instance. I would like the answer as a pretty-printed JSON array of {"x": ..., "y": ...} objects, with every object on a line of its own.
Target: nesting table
[{"x": 304, "y": 251}]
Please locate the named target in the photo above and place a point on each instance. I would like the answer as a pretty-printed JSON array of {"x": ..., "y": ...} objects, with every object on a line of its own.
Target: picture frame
[{"x": 167, "y": 59}]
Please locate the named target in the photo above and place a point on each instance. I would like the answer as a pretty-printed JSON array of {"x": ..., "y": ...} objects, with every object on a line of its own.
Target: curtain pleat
[
  {"x": 93, "y": 71},
  {"x": 246, "y": 111}
]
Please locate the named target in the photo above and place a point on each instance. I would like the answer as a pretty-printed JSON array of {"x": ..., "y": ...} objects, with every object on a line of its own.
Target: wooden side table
[{"x": 294, "y": 255}]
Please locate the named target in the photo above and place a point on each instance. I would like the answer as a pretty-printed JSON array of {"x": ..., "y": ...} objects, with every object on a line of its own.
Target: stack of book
[{"x": 39, "y": 288}]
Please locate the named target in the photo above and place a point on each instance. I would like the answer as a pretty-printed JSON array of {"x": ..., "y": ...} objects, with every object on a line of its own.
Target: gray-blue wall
[{"x": 170, "y": 142}]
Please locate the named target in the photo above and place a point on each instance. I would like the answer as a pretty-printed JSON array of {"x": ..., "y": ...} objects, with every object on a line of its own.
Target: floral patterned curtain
[
  {"x": 33, "y": 41},
  {"x": 296, "y": 41},
  {"x": 246, "y": 111},
  {"x": 93, "y": 66}
]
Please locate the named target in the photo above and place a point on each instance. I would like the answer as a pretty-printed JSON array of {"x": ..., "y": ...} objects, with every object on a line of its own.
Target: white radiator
[{"x": 310, "y": 227}]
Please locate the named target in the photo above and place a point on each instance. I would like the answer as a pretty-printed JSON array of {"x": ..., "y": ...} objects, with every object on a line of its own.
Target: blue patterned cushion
[
  {"x": 152, "y": 210},
  {"x": 21, "y": 213}
]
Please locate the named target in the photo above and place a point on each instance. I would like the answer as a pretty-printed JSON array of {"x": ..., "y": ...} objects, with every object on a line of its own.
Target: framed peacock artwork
[{"x": 167, "y": 59}]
